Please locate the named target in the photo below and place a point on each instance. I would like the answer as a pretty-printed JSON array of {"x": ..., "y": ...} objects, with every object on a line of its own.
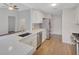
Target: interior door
[{"x": 11, "y": 24}]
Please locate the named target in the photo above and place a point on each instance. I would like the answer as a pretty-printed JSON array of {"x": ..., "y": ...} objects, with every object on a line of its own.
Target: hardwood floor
[{"x": 55, "y": 47}]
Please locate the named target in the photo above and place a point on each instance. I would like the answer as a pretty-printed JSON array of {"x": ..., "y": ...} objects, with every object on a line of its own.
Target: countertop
[
  {"x": 34, "y": 32},
  {"x": 10, "y": 46}
]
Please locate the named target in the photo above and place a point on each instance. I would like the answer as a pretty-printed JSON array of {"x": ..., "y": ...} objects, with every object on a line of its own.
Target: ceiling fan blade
[
  {"x": 10, "y": 5},
  {"x": 5, "y": 4}
]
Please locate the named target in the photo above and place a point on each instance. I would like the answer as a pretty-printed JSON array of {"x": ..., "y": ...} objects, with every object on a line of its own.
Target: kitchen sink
[{"x": 25, "y": 34}]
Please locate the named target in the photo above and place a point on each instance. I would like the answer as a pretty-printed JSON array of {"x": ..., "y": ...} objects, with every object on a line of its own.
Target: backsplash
[{"x": 36, "y": 26}]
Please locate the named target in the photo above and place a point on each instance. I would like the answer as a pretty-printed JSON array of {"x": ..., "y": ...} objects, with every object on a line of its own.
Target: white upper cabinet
[
  {"x": 76, "y": 16},
  {"x": 37, "y": 16}
]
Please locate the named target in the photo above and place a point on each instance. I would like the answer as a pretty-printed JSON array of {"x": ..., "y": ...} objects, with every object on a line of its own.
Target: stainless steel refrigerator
[{"x": 47, "y": 26}]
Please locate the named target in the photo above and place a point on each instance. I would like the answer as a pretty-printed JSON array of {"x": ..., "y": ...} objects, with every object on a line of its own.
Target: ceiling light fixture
[
  {"x": 10, "y": 8},
  {"x": 54, "y": 4}
]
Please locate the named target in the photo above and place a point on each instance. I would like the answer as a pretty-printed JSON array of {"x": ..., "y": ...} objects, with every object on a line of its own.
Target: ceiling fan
[{"x": 11, "y": 6}]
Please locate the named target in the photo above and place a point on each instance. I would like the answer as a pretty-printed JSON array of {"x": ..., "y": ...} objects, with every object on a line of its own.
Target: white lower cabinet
[
  {"x": 43, "y": 35},
  {"x": 30, "y": 40}
]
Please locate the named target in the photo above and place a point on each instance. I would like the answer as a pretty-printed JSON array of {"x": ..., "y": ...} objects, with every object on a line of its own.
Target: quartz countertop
[{"x": 10, "y": 46}]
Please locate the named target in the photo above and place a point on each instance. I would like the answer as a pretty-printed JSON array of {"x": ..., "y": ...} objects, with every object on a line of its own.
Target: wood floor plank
[{"x": 55, "y": 47}]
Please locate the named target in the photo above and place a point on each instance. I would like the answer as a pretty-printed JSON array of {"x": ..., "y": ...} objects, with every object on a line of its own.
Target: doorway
[{"x": 11, "y": 24}]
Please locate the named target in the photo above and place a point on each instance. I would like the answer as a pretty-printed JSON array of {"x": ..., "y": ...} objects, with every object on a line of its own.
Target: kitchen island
[
  {"x": 21, "y": 43},
  {"x": 9, "y": 45}
]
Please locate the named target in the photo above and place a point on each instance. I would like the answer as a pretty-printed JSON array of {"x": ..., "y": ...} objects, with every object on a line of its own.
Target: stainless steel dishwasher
[{"x": 39, "y": 39}]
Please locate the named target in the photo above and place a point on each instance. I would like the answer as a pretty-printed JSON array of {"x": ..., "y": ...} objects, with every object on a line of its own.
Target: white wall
[
  {"x": 3, "y": 21},
  {"x": 56, "y": 25},
  {"x": 15, "y": 14},
  {"x": 68, "y": 25},
  {"x": 4, "y": 13},
  {"x": 25, "y": 14}
]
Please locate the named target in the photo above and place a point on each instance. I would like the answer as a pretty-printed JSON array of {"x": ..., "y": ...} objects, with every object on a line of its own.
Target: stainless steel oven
[
  {"x": 76, "y": 48},
  {"x": 75, "y": 43}
]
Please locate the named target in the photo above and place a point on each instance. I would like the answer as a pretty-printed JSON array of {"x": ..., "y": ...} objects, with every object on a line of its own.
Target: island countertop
[{"x": 9, "y": 45}]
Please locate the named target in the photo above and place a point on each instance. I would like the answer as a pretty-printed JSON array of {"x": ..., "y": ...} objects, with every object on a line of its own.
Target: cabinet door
[
  {"x": 27, "y": 41},
  {"x": 76, "y": 19},
  {"x": 76, "y": 16},
  {"x": 36, "y": 17},
  {"x": 31, "y": 40},
  {"x": 40, "y": 17},
  {"x": 34, "y": 41},
  {"x": 43, "y": 36}
]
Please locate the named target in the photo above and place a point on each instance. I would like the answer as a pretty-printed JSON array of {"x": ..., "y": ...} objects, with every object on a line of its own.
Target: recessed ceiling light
[{"x": 54, "y": 4}]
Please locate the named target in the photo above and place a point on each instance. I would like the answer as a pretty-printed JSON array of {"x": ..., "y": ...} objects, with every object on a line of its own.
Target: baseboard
[
  {"x": 56, "y": 34},
  {"x": 59, "y": 35}
]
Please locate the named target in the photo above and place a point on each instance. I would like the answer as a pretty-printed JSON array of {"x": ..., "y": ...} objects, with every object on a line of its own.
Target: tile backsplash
[{"x": 36, "y": 25}]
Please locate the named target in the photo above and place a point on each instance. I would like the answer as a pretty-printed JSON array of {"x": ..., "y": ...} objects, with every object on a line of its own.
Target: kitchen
[{"x": 25, "y": 27}]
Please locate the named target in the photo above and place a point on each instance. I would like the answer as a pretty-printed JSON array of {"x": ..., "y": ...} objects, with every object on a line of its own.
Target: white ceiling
[
  {"x": 45, "y": 7},
  {"x": 19, "y": 5}
]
